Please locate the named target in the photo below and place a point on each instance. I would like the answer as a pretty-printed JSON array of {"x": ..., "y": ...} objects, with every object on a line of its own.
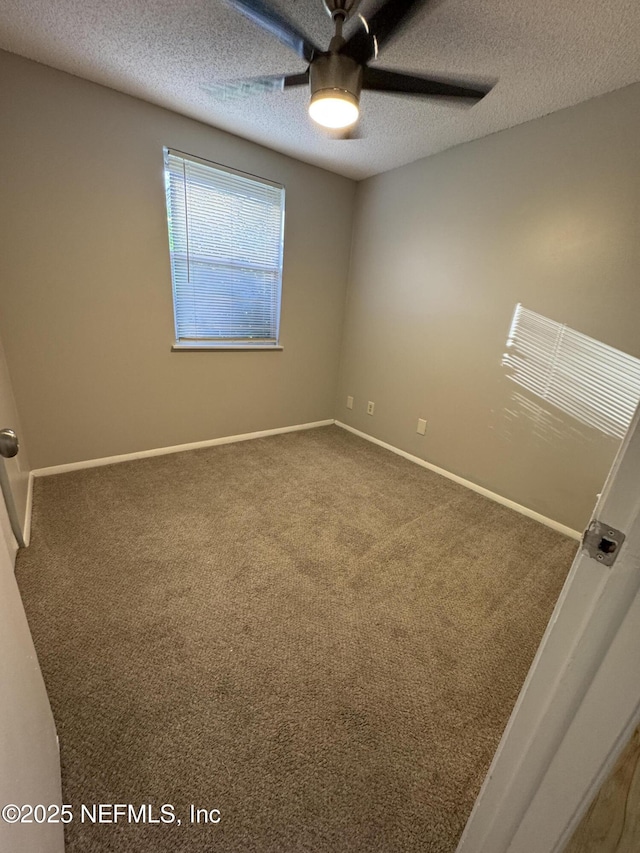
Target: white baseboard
[
  {"x": 561, "y": 528},
  {"x": 26, "y": 533},
  {"x": 178, "y": 448},
  {"x": 229, "y": 439}
]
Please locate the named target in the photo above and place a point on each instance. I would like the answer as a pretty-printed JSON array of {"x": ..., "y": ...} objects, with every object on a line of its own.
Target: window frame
[{"x": 224, "y": 344}]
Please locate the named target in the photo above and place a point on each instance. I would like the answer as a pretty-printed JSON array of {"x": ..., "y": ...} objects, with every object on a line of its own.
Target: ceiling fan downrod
[{"x": 339, "y": 11}]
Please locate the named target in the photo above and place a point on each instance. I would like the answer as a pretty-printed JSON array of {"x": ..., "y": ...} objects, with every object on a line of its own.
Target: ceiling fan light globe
[{"x": 334, "y": 108}]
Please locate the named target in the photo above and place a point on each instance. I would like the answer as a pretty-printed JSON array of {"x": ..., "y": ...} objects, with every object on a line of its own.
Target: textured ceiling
[{"x": 546, "y": 54}]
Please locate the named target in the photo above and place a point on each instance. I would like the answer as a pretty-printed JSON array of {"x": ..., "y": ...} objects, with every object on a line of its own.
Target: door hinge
[{"x": 602, "y": 542}]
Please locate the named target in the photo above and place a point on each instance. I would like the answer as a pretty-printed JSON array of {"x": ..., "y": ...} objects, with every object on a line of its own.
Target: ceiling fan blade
[
  {"x": 295, "y": 79},
  {"x": 381, "y": 26},
  {"x": 232, "y": 90},
  {"x": 273, "y": 22},
  {"x": 382, "y": 80}
]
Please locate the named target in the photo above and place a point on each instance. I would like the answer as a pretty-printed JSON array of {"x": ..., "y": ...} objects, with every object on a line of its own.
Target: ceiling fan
[{"x": 337, "y": 76}]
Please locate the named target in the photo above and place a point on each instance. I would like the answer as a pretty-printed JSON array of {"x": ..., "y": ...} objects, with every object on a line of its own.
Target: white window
[{"x": 226, "y": 241}]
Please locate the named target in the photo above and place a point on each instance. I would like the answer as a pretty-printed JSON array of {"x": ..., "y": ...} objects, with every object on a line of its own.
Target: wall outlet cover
[{"x": 422, "y": 426}]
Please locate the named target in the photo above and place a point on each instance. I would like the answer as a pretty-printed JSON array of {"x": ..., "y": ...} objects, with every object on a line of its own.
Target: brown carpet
[{"x": 306, "y": 632}]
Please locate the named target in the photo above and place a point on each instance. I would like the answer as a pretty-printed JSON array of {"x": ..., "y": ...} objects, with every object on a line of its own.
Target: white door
[
  {"x": 29, "y": 757},
  {"x": 581, "y": 700}
]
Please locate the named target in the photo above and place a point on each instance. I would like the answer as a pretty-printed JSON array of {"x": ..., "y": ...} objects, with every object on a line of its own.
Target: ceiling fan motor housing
[{"x": 335, "y": 72}]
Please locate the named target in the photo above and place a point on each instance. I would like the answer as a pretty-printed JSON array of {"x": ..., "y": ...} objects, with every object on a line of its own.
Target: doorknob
[
  {"x": 9, "y": 447},
  {"x": 9, "y": 444}
]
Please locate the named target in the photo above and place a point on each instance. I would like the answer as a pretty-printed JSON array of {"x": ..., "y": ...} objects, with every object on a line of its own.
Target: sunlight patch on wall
[
  {"x": 591, "y": 381},
  {"x": 545, "y": 426}
]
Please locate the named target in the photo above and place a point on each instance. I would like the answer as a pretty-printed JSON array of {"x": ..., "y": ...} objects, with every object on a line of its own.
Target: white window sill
[{"x": 196, "y": 347}]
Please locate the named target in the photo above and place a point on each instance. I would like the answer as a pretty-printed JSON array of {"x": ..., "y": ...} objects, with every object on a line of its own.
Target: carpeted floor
[{"x": 306, "y": 632}]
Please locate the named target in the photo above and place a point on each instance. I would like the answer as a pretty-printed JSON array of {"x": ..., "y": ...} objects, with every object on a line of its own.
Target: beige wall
[
  {"x": 546, "y": 214},
  {"x": 85, "y": 287}
]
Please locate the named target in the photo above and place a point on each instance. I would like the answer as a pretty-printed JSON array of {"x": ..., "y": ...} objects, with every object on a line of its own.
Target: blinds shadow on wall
[
  {"x": 226, "y": 233},
  {"x": 591, "y": 381}
]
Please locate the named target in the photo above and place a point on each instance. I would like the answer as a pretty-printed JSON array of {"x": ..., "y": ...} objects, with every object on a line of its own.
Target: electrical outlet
[
  {"x": 422, "y": 426},
  {"x": 370, "y": 407},
  {"x": 349, "y": 402}
]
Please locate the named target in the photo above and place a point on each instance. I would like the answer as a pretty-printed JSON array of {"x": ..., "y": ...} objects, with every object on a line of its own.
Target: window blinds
[
  {"x": 591, "y": 381},
  {"x": 225, "y": 240}
]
